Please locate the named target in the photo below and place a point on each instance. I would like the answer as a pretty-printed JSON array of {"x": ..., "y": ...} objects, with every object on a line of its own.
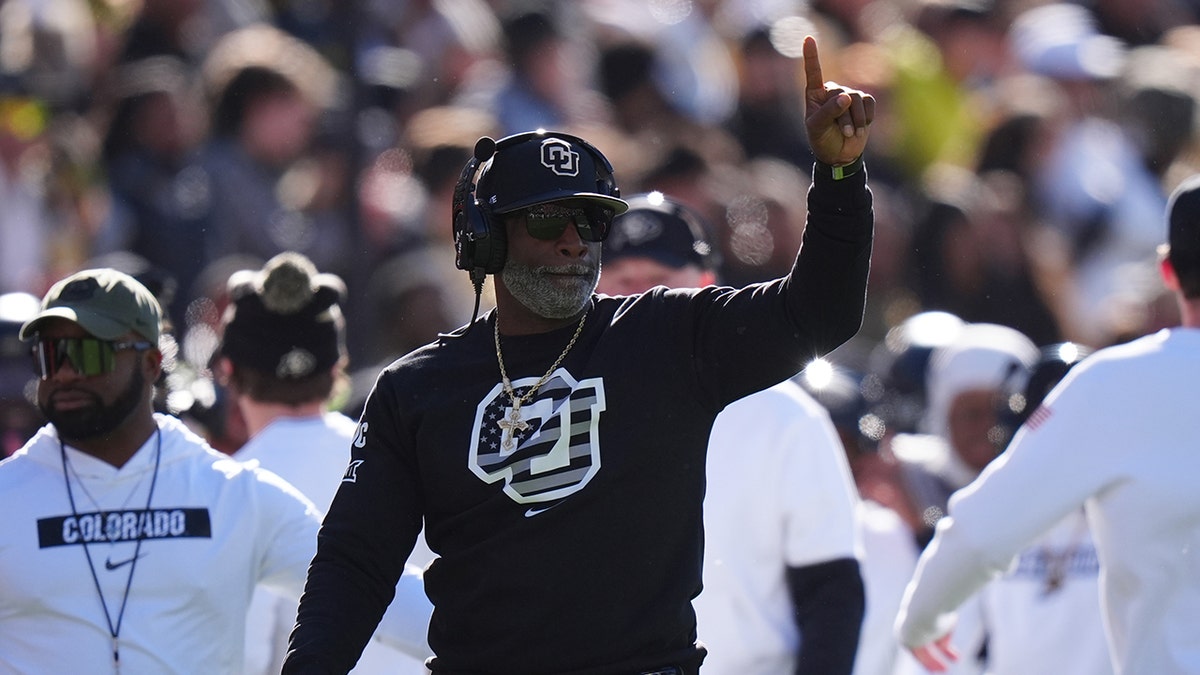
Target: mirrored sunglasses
[
  {"x": 549, "y": 221},
  {"x": 89, "y": 356}
]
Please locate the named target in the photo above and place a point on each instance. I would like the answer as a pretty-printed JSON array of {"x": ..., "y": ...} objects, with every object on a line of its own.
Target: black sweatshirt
[{"x": 580, "y": 550}]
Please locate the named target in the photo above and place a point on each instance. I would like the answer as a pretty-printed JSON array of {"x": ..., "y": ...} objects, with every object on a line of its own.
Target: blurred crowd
[{"x": 1020, "y": 160}]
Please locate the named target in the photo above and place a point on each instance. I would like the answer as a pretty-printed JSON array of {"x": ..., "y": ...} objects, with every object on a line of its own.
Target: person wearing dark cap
[
  {"x": 19, "y": 414},
  {"x": 782, "y": 588},
  {"x": 658, "y": 242},
  {"x": 129, "y": 544},
  {"x": 1111, "y": 437},
  {"x": 282, "y": 357},
  {"x": 553, "y": 449}
]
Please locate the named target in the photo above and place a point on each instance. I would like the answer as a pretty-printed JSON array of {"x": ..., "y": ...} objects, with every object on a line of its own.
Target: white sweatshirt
[
  {"x": 312, "y": 454},
  {"x": 216, "y": 529},
  {"x": 779, "y": 495},
  {"x": 1117, "y": 436}
]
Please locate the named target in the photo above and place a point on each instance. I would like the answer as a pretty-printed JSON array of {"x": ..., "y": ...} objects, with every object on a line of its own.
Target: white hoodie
[{"x": 216, "y": 528}]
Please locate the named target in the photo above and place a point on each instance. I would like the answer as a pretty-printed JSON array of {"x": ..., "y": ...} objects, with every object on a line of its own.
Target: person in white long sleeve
[
  {"x": 1021, "y": 620},
  {"x": 1050, "y": 596},
  {"x": 1111, "y": 437},
  {"x": 282, "y": 357},
  {"x": 966, "y": 378},
  {"x": 128, "y": 544}
]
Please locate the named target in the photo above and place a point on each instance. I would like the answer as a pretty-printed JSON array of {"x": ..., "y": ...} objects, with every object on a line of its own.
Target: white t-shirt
[
  {"x": 312, "y": 454},
  {"x": 1050, "y": 597},
  {"x": 888, "y": 559},
  {"x": 779, "y": 495},
  {"x": 1026, "y": 617},
  {"x": 1113, "y": 436},
  {"x": 215, "y": 528}
]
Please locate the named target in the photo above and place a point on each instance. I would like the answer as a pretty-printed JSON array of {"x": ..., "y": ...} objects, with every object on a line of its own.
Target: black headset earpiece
[
  {"x": 480, "y": 243},
  {"x": 475, "y": 246}
]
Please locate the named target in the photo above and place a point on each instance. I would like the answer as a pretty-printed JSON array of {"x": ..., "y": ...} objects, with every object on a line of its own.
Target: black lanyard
[{"x": 114, "y": 628}]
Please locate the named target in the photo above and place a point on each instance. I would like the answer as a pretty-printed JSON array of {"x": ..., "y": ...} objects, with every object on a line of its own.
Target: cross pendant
[{"x": 511, "y": 425}]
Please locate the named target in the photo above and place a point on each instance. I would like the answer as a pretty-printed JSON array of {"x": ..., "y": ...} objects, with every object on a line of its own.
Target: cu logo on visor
[{"x": 558, "y": 156}]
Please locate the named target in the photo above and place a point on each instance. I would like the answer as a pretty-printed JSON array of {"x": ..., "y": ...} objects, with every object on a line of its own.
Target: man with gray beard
[{"x": 554, "y": 448}]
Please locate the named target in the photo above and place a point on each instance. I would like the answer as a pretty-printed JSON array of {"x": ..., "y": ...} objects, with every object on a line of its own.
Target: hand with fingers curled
[
  {"x": 837, "y": 118},
  {"x": 937, "y": 656}
]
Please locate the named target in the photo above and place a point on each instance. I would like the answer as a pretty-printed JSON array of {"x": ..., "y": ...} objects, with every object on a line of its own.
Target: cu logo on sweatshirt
[{"x": 556, "y": 451}]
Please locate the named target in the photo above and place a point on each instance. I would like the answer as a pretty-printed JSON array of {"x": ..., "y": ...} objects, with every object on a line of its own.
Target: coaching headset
[{"x": 519, "y": 171}]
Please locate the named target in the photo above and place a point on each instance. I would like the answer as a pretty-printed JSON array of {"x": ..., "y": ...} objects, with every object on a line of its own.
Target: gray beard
[{"x": 547, "y": 298}]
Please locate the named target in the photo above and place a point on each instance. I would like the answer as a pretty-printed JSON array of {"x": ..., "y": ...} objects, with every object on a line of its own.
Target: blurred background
[{"x": 1020, "y": 158}]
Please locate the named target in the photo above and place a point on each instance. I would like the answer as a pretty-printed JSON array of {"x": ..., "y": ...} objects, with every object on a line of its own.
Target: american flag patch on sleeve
[{"x": 1038, "y": 418}]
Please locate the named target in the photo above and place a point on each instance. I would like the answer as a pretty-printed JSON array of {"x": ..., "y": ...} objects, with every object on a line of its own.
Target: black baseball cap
[
  {"x": 544, "y": 166},
  {"x": 1183, "y": 226},
  {"x": 663, "y": 230}
]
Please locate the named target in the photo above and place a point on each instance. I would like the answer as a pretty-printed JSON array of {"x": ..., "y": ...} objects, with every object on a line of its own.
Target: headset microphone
[
  {"x": 485, "y": 147},
  {"x": 472, "y": 232}
]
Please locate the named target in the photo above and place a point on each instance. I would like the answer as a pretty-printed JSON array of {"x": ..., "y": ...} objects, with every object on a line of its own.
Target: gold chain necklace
[{"x": 513, "y": 423}]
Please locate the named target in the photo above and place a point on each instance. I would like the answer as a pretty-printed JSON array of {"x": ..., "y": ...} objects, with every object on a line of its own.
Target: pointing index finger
[{"x": 813, "y": 80}]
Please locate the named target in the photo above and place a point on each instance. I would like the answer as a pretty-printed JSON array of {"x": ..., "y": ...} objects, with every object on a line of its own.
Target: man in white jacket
[
  {"x": 129, "y": 545},
  {"x": 1113, "y": 437}
]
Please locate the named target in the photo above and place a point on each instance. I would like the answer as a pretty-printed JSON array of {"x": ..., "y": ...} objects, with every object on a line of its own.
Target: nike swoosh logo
[
  {"x": 110, "y": 565},
  {"x": 533, "y": 512}
]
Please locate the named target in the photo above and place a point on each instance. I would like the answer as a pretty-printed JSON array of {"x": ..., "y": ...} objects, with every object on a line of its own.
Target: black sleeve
[
  {"x": 747, "y": 339},
  {"x": 362, "y": 545},
  {"x": 828, "y": 602},
  {"x": 835, "y": 258}
]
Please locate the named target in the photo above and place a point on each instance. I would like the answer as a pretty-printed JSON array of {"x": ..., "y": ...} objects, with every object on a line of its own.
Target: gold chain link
[{"x": 508, "y": 388}]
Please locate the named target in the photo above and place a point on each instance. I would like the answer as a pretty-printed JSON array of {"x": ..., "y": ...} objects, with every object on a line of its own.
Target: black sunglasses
[
  {"x": 549, "y": 221},
  {"x": 89, "y": 356}
]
